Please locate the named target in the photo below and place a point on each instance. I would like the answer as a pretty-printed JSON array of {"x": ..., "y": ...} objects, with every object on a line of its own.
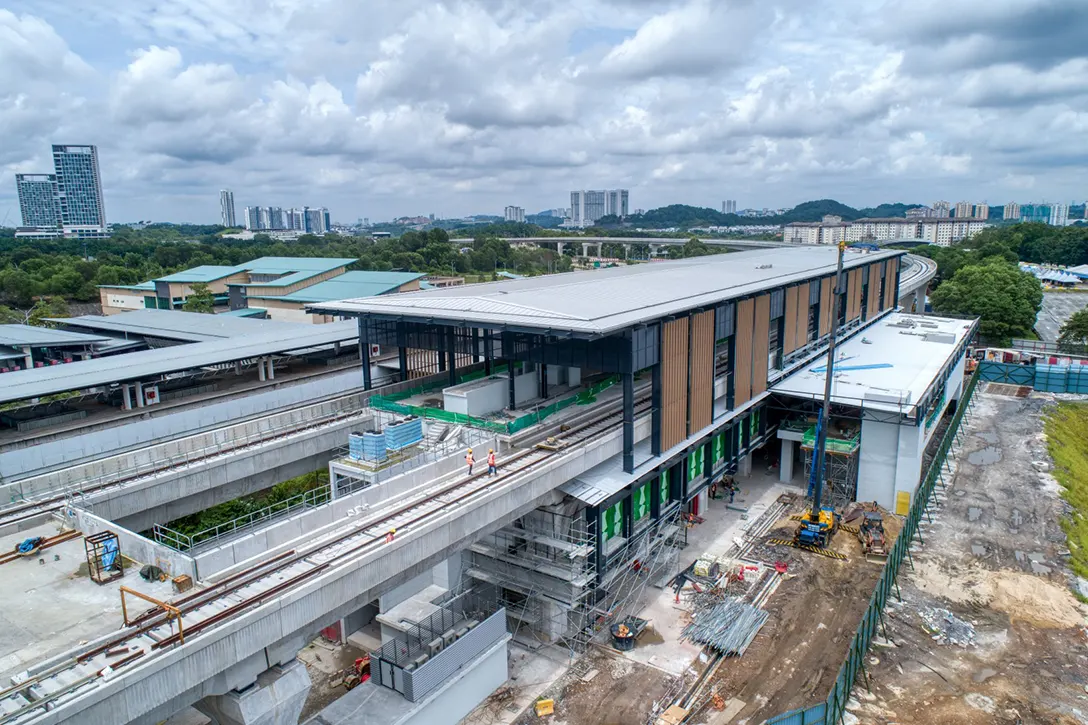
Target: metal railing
[
  {"x": 281, "y": 509},
  {"x": 833, "y": 710}
]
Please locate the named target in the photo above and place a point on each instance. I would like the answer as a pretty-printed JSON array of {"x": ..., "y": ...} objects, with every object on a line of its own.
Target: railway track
[
  {"x": 154, "y": 630},
  {"x": 26, "y": 510}
]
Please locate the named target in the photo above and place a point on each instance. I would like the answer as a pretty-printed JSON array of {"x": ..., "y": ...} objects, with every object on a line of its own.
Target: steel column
[
  {"x": 451, "y": 355},
  {"x": 543, "y": 381},
  {"x": 364, "y": 352},
  {"x": 655, "y": 406},
  {"x": 628, "y": 422},
  {"x": 510, "y": 371}
]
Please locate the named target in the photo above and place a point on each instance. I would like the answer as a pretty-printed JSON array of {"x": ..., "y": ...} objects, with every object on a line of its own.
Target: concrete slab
[{"x": 46, "y": 609}]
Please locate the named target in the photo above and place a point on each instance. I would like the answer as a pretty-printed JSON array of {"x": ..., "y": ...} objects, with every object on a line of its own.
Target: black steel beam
[
  {"x": 451, "y": 355},
  {"x": 513, "y": 398},
  {"x": 544, "y": 381},
  {"x": 628, "y": 422},
  {"x": 364, "y": 352}
]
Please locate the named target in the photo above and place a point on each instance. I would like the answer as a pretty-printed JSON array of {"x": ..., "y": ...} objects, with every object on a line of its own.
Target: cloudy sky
[{"x": 379, "y": 108}]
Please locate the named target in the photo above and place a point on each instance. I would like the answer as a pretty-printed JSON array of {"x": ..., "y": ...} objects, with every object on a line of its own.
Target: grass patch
[{"x": 1067, "y": 440}]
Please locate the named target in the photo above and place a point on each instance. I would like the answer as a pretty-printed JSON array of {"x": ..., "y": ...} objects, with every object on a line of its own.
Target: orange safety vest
[
  {"x": 491, "y": 459},
  {"x": 469, "y": 459}
]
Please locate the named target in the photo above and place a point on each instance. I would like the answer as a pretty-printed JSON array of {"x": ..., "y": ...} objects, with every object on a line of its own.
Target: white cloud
[{"x": 464, "y": 106}]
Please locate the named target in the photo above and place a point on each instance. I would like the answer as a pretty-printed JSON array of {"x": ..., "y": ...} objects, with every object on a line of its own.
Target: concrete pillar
[
  {"x": 585, "y": 249},
  {"x": 276, "y": 698},
  {"x": 237, "y": 367},
  {"x": 126, "y": 396},
  {"x": 744, "y": 466},
  {"x": 626, "y": 251},
  {"x": 28, "y": 359},
  {"x": 785, "y": 463},
  {"x": 272, "y": 368},
  {"x": 559, "y": 248},
  {"x": 513, "y": 396},
  {"x": 260, "y": 369},
  {"x": 543, "y": 387},
  {"x": 139, "y": 394},
  {"x": 574, "y": 377},
  {"x": 918, "y": 303}
]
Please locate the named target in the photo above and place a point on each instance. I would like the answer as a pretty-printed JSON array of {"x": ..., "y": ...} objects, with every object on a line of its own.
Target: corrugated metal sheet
[
  {"x": 702, "y": 370},
  {"x": 789, "y": 332},
  {"x": 20, "y": 335},
  {"x": 761, "y": 330},
  {"x": 603, "y": 301},
  {"x": 674, "y": 382},
  {"x": 742, "y": 368}
]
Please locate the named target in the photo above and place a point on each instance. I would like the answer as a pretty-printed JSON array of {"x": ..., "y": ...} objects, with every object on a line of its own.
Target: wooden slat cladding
[
  {"x": 674, "y": 382},
  {"x": 853, "y": 305},
  {"x": 760, "y": 344},
  {"x": 742, "y": 366},
  {"x": 872, "y": 300},
  {"x": 702, "y": 370},
  {"x": 801, "y": 325},
  {"x": 890, "y": 290},
  {"x": 789, "y": 342},
  {"x": 827, "y": 285}
]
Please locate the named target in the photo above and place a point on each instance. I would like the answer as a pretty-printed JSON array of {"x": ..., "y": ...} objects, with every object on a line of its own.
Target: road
[{"x": 1057, "y": 308}]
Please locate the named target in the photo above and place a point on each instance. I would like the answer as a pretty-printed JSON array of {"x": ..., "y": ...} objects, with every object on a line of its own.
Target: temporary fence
[
  {"x": 832, "y": 711},
  {"x": 1006, "y": 373},
  {"x": 392, "y": 404}
]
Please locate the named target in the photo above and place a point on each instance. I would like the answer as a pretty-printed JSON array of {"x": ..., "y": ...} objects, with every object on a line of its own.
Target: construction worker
[
  {"x": 491, "y": 470},
  {"x": 390, "y": 535},
  {"x": 469, "y": 460}
]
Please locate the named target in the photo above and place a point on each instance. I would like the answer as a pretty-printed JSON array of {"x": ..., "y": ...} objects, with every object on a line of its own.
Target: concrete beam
[{"x": 274, "y": 631}]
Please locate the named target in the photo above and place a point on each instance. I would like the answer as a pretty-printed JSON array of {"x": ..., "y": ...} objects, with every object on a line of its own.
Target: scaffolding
[
  {"x": 840, "y": 462},
  {"x": 543, "y": 570}
]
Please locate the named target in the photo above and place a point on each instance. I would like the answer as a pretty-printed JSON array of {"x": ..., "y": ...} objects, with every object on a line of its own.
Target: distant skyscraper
[
  {"x": 964, "y": 209},
  {"x": 253, "y": 218},
  {"x": 514, "y": 214},
  {"x": 589, "y": 206},
  {"x": 38, "y": 200},
  {"x": 226, "y": 208},
  {"x": 79, "y": 186},
  {"x": 1012, "y": 211},
  {"x": 729, "y": 206},
  {"x": 942, "y": 209},
  {"x": 1059, "y": 215},
  {"x": 982, "y": 211}
]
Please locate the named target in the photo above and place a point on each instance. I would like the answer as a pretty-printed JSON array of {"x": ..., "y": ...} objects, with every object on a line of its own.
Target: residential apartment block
[{"x": 941, "y": 231}]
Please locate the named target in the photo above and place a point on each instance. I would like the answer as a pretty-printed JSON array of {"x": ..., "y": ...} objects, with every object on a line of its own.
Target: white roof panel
[
  {"x": 889, "y": 366},
  {"x": 603, "y": 301}
]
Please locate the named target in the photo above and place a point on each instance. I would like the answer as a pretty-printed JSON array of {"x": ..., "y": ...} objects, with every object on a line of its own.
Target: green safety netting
[
  {"x": 391, "y": 404},
  {"x": 833, "y": 445}
]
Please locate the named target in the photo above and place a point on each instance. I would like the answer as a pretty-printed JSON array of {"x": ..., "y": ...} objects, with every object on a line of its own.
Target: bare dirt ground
[
  {"x": 324, "y": 662},
  {"x": 988, "y": 631},
  {"x": 795, "y": 658},
  {"x": 604, "y": 689}
]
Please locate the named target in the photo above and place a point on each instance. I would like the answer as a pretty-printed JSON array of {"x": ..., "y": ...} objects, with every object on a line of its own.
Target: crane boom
[{"x": 816, "y": 476}]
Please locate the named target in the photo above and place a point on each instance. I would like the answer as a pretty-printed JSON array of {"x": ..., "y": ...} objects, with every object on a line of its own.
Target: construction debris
[
  {"x": 728, "y": 627},
  {"x": 947, "y": 628}
]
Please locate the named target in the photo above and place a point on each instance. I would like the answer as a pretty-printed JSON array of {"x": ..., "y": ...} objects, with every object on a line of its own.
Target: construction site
[{"x": 668, "y": 493}]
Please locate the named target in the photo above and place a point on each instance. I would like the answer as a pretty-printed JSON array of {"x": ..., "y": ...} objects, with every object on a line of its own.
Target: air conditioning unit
[
  {"x": 436, "y": 645},
  {"x": 419, "y": 662},
  {"x": 449, "y": 637}
]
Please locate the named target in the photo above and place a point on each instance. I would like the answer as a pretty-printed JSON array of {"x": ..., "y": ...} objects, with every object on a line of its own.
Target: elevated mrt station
[{"x": 677, "y": 359}]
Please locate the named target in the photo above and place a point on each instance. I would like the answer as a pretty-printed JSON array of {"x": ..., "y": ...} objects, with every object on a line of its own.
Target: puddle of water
[
  {"x": 974, "y": 513},
  {"x": 1019, "y": 556},
  {"x": 984, "y": 457},
  {"x": 978, "y": 550}
]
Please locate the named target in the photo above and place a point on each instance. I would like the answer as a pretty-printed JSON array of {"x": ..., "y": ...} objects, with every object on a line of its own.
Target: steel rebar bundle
[{"x": 728, "y": 627}]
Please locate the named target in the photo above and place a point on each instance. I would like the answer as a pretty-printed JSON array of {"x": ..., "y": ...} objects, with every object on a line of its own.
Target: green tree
[
  {"x": 200, "y": 299},
  {"x": 1005, "y": 299},
  {"x": 1075, "y": 329},
  {"x": 46, "y": 308}
]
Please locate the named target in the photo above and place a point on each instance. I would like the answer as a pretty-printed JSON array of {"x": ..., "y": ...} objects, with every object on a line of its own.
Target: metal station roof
[
  {"x": 888, "y": 366},
  {"x": 179, "y": 325},
  {"x": 149, "y": 364},
  {"x": 355, "y": 285},
  {"x": 604, "y": 301},
  {"x": 27, "y": 335},
  {"x": 292, "y": 269},
  {"x": 204, "y": 273}
]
